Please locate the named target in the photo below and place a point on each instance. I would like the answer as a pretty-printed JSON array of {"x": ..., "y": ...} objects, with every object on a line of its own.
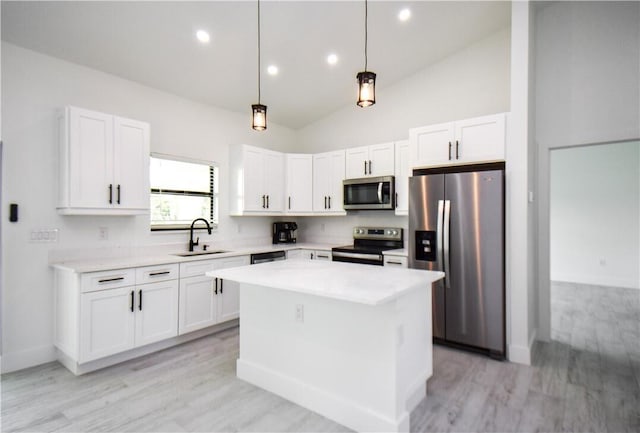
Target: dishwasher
[{"x": 267, "y": 257}]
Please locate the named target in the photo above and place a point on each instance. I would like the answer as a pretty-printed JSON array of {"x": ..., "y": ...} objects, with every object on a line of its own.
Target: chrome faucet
[{"x": 191, "y": 242}]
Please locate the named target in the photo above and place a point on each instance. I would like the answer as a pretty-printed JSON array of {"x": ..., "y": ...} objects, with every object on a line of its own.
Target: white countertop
[
  {"x": 96, "y": 265},
  {"x": 399, "y": 253},
  {"x": 363, "y": 284}
]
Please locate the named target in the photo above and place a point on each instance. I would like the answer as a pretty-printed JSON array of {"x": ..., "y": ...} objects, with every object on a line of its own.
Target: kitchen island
[{"x": 351, "y": 342}]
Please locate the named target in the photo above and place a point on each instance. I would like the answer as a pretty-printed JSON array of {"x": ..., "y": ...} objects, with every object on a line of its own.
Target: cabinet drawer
[
  {"x": 93, "y": 281},
  {"x": 151, "y": 274},
  {"x": 192, "y": 269},
  {"x": 395, "y": 261}
]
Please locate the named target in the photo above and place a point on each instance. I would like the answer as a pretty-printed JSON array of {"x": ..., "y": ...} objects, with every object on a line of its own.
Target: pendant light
[
  {"x": 259, "y": 118},
  {"x": 366, "y": 79}
]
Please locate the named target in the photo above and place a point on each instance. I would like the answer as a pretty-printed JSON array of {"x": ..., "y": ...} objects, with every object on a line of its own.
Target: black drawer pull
[
  {"x": 322, "y": 257},
  {"x": 155, "y": 274},
  {"x": 394, "y": 263},
  {"x": 110, "y": 280}
]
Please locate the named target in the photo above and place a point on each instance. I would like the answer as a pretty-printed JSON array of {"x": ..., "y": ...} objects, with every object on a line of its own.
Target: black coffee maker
[{"x": 283, "y": 232}]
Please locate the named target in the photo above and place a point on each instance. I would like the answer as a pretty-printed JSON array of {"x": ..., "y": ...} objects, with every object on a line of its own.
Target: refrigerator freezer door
[
  {"x": 475, "y": 299},
  {"x": 426, "y": 198}
]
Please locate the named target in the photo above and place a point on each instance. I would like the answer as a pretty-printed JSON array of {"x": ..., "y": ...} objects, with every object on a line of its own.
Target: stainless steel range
[{"x": 368, "y": 245}]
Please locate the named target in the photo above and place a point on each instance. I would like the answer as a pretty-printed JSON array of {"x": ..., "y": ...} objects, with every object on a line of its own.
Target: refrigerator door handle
[
  {"x": 445, "y": 235},
  {"x": 439, "y": 236}
]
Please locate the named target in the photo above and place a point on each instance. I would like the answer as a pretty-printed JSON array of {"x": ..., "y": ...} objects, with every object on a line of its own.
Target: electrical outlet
[
  {"x": 300, "y": 313},
  {"x": 103, "y": 233}
]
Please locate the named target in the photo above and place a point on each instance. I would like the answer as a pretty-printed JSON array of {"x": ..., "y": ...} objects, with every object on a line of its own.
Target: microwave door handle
[{"x": 380, "y": 192}]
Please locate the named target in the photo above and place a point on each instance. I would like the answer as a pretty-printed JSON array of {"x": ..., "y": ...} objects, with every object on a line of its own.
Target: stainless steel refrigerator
[{"x": 456, "y": 225}]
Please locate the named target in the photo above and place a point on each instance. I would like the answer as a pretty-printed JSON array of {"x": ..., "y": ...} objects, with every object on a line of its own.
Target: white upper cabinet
[
  {"x": 256, "y": 180},
  {"x": 328, "y": 174},
  {"x": 104, "y": 164},
  {"x": 403, "y": 172},
  {"x": 466, "y": 141},
  {"x": 375, "y": 160},
  {"x": 299, "y": 196}
]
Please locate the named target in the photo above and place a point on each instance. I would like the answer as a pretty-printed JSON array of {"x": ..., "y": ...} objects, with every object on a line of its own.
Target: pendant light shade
[
  {"x": 366, "y": 88},
  {"x": 259, "y": 116},
  {"x": 366, "y": 79}
]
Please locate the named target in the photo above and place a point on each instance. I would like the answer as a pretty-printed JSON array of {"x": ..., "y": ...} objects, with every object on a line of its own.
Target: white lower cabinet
[
  {"x": 204, "y": 301},
  {"x": 305, "y": 254},
  {"x": 156, "y": 312}
]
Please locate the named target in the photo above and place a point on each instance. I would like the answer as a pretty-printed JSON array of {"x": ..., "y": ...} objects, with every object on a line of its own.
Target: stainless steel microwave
[{"x": 370, "y": 193}]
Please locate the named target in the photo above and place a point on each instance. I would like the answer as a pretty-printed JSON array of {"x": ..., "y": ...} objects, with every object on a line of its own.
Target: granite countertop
[
  {"x": 363, "y": 284},
  {"x": 106, "y": 264}
]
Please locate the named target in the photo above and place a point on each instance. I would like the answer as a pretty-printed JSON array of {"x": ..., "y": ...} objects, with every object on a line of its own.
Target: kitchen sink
[{"x": 199, "y": 253}]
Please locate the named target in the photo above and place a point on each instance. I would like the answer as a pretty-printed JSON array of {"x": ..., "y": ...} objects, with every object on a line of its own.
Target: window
[{"x": 181, "y": 191}]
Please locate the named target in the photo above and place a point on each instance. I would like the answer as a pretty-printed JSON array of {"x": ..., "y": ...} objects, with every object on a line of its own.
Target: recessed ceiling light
[
  {"x": 404, "y": 14},
  {"x": 203, "y": 36},
  {"x": 272, "y": 70},
  {"x": 332, "y": 59}
]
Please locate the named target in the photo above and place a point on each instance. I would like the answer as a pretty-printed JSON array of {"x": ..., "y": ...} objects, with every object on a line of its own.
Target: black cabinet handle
[
  {"x": 369, "y": 166},
  {"x": 132, "y": 301},
  {"x": 215, "y": 290},
  {"x": 365, "y": 167},
  {"x": 110, "y": 193},
  {"x": 457, "y": 146},
  {"x": 311, "y": 256},
  {"x": 155, "y": 274},
  {"x": 221, "y": 280},
  {"x": 140, "y": 303},
  {"x": 322, "y": 257},
  {"x": 267, "y": 202},
  {"x": 110, "y": 280},
  {"x": 325, "y": 201},
  {"x": 263, "y": 202},
  {"x": 329, "y": 202},
  {"x": 449, "y": 151},
  {"x": 396, "y": 200},
  {"x": 118, "y": 201},
  {"x": 289, "y": 202}
]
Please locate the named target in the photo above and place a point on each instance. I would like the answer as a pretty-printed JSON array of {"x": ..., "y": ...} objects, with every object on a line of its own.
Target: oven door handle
[
  {"x": 380, "y": 192},
  {"x": 357, "y": 255}
]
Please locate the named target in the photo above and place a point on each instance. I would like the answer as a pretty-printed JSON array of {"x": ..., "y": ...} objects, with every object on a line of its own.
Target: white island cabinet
[{"x": 351, "y": 342}]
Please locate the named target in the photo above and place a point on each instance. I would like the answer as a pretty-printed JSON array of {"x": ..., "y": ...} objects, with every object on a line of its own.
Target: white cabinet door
[
  {"x": 107, "y": 320},
  {"x": 90, "y": 158},
  {"x": 402, "y": 177},
  {"x": 381, "y": 159},
  {"x": 294, "y": 254},
  {"x": 228, "y": 296},
  {"x": 198, "y": 307},
  {"x": 254, "y": 188},
  {"x": 156, "y": 312},
  {"x": 480, "y": 139},
  {"x": 299, "y": 196},
  {"x": 131, "y": 170},
  {"x": 357, "y": 162},
  {"x": 274, "y": 175},
  {"x": 432, "y": 145},
  {"x": 321, "y": 181},
  {"x": 336, "y": 176}
]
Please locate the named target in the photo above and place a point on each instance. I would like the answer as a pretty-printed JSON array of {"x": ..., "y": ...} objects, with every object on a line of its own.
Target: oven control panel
[{"x": 380, "y": 233}]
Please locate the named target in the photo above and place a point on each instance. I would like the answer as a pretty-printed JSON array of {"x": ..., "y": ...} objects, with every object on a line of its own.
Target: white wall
[
  {"x": 472, "y": 82},
  {"x": 34, "y": 87},
  {"x": 587, "y": 91},
  {"x": 595, "y": 215}
]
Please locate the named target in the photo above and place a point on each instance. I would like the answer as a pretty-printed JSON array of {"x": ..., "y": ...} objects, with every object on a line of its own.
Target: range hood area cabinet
[
  {"x": 479, "y": 139},
  {"x": 257, "y": 181},
  {"x": 299, "y": 196},
  {"x": 370, "y": 161},
  {"x": 104, "y": 164}
]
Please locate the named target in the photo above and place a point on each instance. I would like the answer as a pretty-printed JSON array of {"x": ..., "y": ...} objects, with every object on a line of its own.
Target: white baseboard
[
  {"x": 13, "y": 361},
  {"x": 597, "y": 280},
  {"x": 522, "y": 354},
  {"x": 332, "y": 406}
]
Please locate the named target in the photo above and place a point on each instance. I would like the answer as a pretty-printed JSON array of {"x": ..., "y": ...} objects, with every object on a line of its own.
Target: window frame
[{"x": 214, "y": 176}]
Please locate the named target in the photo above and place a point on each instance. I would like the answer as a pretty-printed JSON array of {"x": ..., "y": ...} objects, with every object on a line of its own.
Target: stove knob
[{"x": 395, "y": 232}]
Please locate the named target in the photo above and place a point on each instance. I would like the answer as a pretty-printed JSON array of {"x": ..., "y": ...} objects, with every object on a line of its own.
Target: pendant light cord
[
  {"x": 259, "y": 52},
  {"x": 366, "y": 25}
]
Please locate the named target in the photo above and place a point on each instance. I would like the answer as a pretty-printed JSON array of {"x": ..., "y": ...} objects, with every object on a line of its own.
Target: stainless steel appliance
[
  {"x": 456, "y": 225},
  {"x": 271, "y": 256},
  {"x": 368, "y": 245},
  {"x": 370, "y": 193},
  {"x": 284, "y": 232}
]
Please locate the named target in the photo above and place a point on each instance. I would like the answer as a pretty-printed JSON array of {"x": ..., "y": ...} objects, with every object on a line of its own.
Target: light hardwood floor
[{"x": 586, "y": 380}]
